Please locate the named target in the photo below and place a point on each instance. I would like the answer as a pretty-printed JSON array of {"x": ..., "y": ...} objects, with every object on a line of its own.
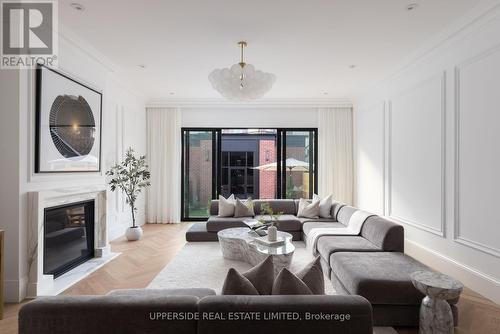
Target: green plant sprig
[{"x": 266, "y": 209}]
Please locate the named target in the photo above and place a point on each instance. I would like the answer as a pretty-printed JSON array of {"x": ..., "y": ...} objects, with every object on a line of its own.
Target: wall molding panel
[
  {"x": 474, "y": 88},
  {"x": 371, "y": 123},
  {"x": 405, "y": 101}
]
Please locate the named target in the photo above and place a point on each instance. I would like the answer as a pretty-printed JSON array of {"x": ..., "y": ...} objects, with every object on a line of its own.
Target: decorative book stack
[{"x": 252, "y": 223}]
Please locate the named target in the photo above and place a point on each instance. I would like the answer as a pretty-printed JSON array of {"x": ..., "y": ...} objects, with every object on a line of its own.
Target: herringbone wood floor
[{"x": 140, "y": 261}]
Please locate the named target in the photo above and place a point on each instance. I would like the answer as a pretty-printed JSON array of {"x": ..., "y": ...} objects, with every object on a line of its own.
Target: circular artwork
[{"x": 72, "y": 126}]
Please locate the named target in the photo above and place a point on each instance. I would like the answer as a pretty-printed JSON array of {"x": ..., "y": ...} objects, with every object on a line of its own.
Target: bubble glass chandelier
[{"x": 241, "y": 82}]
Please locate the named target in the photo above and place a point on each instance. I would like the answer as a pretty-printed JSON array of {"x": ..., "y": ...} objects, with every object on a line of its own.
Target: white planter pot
[
  {"x": 133, "y": 233},
  {"x": 272, "y": 233}
]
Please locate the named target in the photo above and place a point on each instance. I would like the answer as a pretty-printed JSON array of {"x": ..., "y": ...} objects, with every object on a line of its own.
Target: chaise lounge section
[{"x": 384, "y": 279}]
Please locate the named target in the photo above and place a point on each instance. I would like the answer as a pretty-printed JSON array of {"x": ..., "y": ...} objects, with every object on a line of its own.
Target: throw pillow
[
  {"x": 237, "y": 284},
  {"x": 256, "y": 281},
  {"x": 312, "y": 276},
  {"x": 243, "y": 209},
  {"x": 308, "y": 281},
  {"x": 287, "y": 283},
  {"x": 226, "y": 206},
  {"x": 325, "y": 205},
  {"x": 308, "y": 210}
]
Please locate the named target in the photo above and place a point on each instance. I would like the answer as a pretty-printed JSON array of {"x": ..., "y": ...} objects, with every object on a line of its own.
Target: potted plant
[
  {"x": 272, "y": 231},
  {"x": 131, "y": 176}
]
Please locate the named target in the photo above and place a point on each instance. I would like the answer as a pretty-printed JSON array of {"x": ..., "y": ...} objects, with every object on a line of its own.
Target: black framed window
[{"x": 258, "y": 163}]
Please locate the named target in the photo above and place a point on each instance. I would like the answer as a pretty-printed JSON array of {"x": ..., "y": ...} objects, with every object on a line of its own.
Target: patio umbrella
[{"x": 291, "y": 164}]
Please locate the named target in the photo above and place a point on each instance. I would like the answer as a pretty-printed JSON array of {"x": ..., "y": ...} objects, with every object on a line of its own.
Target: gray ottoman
[
  {"x": 384, "y": 279},
  {"x": 198, "y": 232}
]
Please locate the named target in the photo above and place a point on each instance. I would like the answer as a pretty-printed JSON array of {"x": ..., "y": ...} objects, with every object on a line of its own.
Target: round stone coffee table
[
  {"x": 239, "y": 244},
  {"x": 435, "y": 311}
]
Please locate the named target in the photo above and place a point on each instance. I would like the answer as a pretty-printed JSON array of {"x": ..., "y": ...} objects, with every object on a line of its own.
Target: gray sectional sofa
[
  {"x": 289, "y": 222},
  {"x": 369, "y": 271},
  {"x": 371, "y": 264},
  {"x": 159, "y": 311}
]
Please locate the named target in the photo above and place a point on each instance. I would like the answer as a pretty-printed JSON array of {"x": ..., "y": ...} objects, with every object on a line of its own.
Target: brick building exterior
[{"x": 267, "y": 179}]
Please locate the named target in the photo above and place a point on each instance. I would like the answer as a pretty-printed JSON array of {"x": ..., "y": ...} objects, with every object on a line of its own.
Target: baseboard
[{"x": 474, "y": 279}]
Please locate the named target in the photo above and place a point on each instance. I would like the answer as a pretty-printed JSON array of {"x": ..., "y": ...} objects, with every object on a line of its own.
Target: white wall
[
  {"x": 9, "y": 174},
  {"x": 427, "y": 153},
  {"x": 225, "y": 116},
  {"x": 123, "y": 125}
]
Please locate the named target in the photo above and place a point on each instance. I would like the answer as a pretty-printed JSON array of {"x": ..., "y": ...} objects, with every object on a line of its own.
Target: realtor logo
[{"x": 29, "y": 33}]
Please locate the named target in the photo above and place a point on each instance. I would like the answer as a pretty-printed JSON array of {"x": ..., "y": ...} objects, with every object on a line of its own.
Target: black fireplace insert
[{"x": 68, "y": 237}]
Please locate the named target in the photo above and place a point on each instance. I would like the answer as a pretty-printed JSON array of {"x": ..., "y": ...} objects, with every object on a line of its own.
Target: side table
[{"x": 435, "y": 312}]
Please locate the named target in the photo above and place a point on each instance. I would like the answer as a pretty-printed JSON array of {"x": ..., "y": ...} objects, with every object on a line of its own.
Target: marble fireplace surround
[{"x": 40, "y": 284}]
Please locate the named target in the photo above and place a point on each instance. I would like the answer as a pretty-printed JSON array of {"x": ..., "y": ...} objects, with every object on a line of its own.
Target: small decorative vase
[
  {"x": 133, "y": 233},
  {"x": 272, "y": 232}
]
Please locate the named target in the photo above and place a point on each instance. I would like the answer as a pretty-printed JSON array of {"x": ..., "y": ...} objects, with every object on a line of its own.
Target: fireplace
[
  {"x": 68, "y": 234},
  {"x": 68, "y": 237}
]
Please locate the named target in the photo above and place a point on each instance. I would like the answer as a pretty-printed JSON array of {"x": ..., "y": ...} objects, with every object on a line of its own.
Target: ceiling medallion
[{"x": 241, "y": 82}]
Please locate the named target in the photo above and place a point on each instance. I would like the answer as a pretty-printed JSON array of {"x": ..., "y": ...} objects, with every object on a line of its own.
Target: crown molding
[
  {"x": 115, "y": 72},
  {"x": 263, "y": 103}
]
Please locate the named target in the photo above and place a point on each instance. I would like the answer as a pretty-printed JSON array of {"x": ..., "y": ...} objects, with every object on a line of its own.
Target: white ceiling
[{"x": 308, "y": 44}]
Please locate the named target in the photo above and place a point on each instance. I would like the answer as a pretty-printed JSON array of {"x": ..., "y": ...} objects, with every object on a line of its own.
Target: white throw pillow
[
  {"x": 308, "y": 210},
  {"x": 226, "y": 206},
  {"x": 325, "y": 205}
]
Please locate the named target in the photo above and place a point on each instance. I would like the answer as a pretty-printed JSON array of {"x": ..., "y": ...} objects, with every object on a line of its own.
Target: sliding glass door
[
  {"x": 299, "y": 163},
  {"x": 249, "y": 163},
  {"x": 199, "y": 175}
]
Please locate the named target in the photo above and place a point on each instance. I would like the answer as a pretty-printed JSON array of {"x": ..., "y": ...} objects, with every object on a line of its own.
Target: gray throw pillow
[
  {"x": 243, "y": 209},
  {"x": 308, "y": 281},
  {"x": 237, "y": 284},
  {"x": 256, "y": 281},
  {"x": 287, "y": 283},
  {"x": 313, "y": 277}
]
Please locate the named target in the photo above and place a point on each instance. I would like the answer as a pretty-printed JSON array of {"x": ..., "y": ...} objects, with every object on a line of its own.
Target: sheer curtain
[
  {"x": 335, "y": 153},
  {"x": 164, "y": 159}
]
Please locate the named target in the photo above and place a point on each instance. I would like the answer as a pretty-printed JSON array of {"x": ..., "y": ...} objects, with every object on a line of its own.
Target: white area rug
[{"x": 201, "y": 265}]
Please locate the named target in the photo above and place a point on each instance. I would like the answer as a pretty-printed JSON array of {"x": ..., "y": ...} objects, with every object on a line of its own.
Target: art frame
[{"x": 68, "y": 124}]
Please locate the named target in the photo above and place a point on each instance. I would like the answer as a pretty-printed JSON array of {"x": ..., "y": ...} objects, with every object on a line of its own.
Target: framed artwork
[{"x": 68, "y": 124}]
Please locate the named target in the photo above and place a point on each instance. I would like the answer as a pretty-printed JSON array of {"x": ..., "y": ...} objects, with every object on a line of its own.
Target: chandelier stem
[{"x": 242, "y": 45}]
